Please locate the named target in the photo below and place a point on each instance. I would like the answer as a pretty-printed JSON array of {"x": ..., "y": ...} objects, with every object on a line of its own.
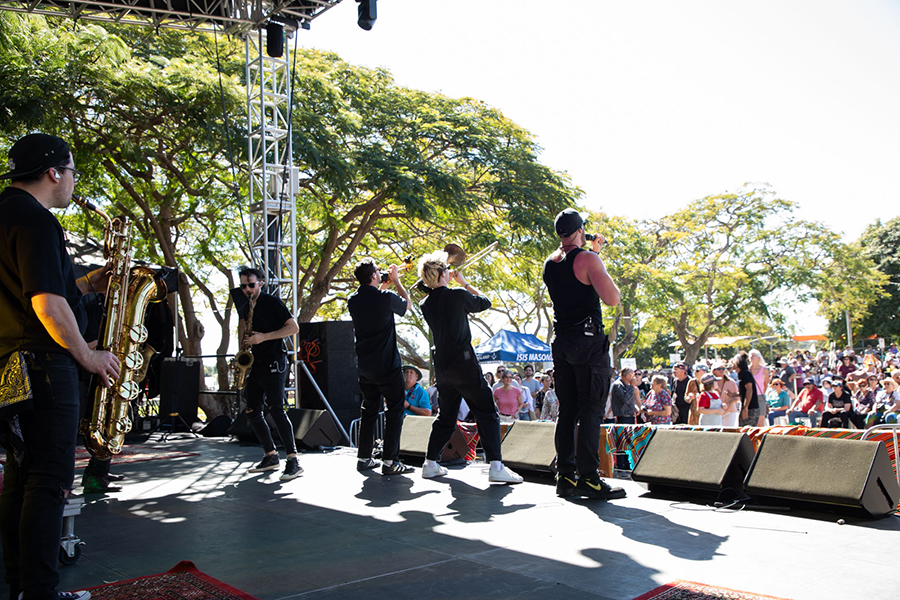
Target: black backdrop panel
[
  {"x": 328, "y": 349},
  {"x": 180, "y": 389}
]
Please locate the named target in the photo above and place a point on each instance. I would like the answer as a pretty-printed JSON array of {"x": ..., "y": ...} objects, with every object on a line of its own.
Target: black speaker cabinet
[
  {"x": 695, "y": 461},
  {"x": 240, "y": 429},
  {"x": 529, "y": 445},
  {"x": 180, "y": 389},
  {"x": 852, "y": 474},
  {"x": 314, "y": 428},
  {"x": 414, "y": 440},
  {"x": 328, "y": 349}
]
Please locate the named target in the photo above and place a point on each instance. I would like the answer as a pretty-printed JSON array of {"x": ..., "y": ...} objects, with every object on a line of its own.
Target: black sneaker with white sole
[
  {"x": 597, "y": 489},
  {"x": 292, "y": 470},
  {"x": 396, "y": 468},
  {"x": 367, "y": 464},
  {"x": 565, "y": 485},
  {"x": 268, "y": 463}
]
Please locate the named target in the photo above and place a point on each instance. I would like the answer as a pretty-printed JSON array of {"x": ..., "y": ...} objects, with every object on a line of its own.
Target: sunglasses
[
  {"x": 250, "y": 285},
  {"x": 776, "y": 385}
]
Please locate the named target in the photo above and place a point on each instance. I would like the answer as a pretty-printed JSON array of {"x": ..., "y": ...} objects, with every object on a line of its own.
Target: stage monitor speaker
[
  {"x": 529, "y": 445},
  {"x": 314, "y": 428},
  {"x": 852, "y": 474},
  {"x": 329, "y": 351},
  {"x": 414, "y": 440},
  {"x": 695, "y": 461},
  {"x": 180, "y": 390}
]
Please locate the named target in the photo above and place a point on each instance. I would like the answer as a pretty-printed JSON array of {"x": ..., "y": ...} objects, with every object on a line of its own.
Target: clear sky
[{"x": 648, "y": 105}]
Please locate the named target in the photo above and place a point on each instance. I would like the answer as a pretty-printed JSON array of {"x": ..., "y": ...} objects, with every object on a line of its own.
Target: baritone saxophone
[
  {"x": 243, "y": 360},
  {"x": 130, "y": 292}
]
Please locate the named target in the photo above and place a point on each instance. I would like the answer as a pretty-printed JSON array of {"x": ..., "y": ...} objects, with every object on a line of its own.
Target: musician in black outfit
[
  {"x": 372, "y": 309},
  {"x": 458, "y": 371},
  {"x": 577, "y": 280},
  {"x": 271, "y": 323}
]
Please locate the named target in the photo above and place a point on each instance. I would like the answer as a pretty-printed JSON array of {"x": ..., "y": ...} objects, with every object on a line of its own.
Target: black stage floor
[{"x": 336, "y": 533}]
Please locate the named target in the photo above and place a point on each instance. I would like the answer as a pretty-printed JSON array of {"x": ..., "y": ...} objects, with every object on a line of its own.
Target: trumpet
[{"x": 405, "y": 266}]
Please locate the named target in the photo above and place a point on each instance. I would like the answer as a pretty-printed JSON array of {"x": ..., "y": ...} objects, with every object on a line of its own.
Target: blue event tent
[{"x": 509, "y": 346}]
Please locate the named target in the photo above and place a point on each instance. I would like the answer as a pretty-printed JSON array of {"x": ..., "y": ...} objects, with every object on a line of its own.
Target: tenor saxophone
[
  {"x": 243, "y": 360},
  {"x": 130, "y": 292}
]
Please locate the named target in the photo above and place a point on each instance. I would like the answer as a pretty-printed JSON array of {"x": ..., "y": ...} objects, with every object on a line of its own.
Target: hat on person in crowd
[
  {"x": 809, "y": 382},
  {"x": 847, "y": 356},
  {"x": 679, "y": 365},
  {"x": 35, "y": 153},
  {"x": 568, "y": 222},
  {"x": 783, "y": 360},
  {"x": 719, "y": 364},
  {"x": 701, "y": 367},
  {"x": 828, "y": 380},
  {"x": 708, "y": 378},
  {"x": 412, "y": 368}
]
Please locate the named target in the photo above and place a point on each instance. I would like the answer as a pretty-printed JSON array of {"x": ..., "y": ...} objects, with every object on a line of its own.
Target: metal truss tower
[{"x": 273, "y": 178}]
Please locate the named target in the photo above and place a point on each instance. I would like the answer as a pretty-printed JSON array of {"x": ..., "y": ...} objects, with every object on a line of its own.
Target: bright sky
[{"x": 648, "y": 105}]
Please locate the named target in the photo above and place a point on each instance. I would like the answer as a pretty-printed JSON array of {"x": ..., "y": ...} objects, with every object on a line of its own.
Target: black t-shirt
[
  {"x": 372, "y": 311},
  {"x": 745, "y": 377},
  {"x": 573, "y": 301},
  {"x": 33, "y": 259},
  {"x": 680, "y": 389},
  {"x": 270, "y": 314},
  {"x": 446, "y": 312},
  {"x": 839, "y": 402}
]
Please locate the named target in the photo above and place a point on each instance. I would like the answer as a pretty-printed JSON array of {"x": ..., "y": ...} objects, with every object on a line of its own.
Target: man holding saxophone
[
  {"x": 40, "y": 332},
  {"x": 265, "y": 322}
]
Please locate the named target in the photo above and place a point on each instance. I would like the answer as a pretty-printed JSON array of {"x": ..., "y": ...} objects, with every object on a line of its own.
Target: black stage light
[
  {"x": 367, "y": 13},
  {"x": 274, "y": 39}
]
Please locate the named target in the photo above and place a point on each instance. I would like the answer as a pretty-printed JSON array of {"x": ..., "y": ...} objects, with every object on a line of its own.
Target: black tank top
[{"x": 573, "y": 301}]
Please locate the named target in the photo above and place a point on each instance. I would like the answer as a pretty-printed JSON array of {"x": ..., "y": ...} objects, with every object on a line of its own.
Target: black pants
[
  {"x": 377, "y": 391},
  {"x": 582, "y": 374},
  {"x": 842, "y": 415},
  {"x": 33, "y": 498},
  {"x": 460, "y": 379},
  {"x": 265, "y": 388}
]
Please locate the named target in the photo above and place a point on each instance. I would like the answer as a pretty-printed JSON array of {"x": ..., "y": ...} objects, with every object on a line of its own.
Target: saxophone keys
[
  {"x": 129, "y": 390},
  {"x": 134, "y": 361},
  {"x": 137, "y": 333}
]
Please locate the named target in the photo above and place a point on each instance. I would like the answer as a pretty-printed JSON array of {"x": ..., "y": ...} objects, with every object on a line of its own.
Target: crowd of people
[{"x": 836, "y": 389}]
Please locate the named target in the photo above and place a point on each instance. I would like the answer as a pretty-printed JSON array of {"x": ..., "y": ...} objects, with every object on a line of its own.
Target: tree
[
  {"x": 145, "y": 115},
  {"x": 874, "y": 306}
]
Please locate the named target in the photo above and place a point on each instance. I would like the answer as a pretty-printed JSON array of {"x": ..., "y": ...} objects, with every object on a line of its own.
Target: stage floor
[{"x": 336, "y": 533}]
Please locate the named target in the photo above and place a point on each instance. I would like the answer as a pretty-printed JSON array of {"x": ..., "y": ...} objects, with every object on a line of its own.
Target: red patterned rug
[
  {"x": 181, "y": 582},
  {"x": 688, "y": 590},
  {"x": 132, "y": 454}
]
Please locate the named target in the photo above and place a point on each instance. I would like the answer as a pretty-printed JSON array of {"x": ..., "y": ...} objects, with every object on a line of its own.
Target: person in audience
[
  {"x": 809, "y": 403},
  {"x": 415, "y": 399},
  {"x": 864, "y": 401},
  {"x": 787, "y": 374},
  {"x": 549, "y": 401},
  {"x": 728, "y": 392},
  {"x": 679, "y": 389},
  {"x": 709, "y": 404},
  {"x": 692, "y": 393},
  {"x": 839, "y": 408},
  {"x": 887, "y": 404},
  {"x": 750, "y": 403},
  {"x": 509, "y": 400},
  {"x": 657, "y": 407},
  {"x": 625, "y": 400},
  {"x": 761, "y": 382},
  {"x": 531, "y": 384},
  {"x": 779, "y": 400},
  {"x": 489, "y": 377},
  {"x": 847, "y": 366}
]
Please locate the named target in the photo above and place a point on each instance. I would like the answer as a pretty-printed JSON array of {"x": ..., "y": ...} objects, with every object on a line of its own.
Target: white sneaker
[
  {"x": 435, "y": 471},
  {"x": 504, "y": 475}
]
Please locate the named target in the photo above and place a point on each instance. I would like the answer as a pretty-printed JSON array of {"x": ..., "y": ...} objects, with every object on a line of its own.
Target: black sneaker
[
  {"x": 565, "y": 485},
  {"x": 268, "y": 463},
  {"x": 85, "y": 595},
  {"x": 292, "y": 470},
  {"x": 365, "y": 465},
  {"x": 597, "y": 489},
  {"x": 396, "y": 468}
]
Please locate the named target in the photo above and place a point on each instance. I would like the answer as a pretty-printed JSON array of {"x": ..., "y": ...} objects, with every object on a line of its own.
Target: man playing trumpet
[{"x": 457, "y": 370}]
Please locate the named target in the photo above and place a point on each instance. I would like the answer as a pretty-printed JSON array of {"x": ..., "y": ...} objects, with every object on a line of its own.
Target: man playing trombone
[{"x": 457, "y": 370}]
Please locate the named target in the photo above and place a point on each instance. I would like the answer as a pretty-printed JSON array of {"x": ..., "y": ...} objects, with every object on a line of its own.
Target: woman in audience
[
  {"x": 838, "y": 407},
  {"x": 750, "y": 401},
  {"x": 760, "y": 378},
  {"x": 887, "y": 404},
  {"x": 657, "y": 408},
  {"x": 549, "y": 401},
  {"x": 709, "y": 404},
  {"x": 779, "y": 400},
  {"x": 509, "y": 400},
  {"x": 489, "y": 377},
  {"x": 864, "y": 401}
]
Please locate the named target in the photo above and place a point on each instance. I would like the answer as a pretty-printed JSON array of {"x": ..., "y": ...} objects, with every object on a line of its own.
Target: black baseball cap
[
  {"x": 35, "y": 153},
  {"x": 568, "y": 222}
]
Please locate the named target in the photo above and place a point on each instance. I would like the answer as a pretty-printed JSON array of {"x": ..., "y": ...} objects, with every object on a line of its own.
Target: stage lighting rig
[{"x": 367, "y": 13}]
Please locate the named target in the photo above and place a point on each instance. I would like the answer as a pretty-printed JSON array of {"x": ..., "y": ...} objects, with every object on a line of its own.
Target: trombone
[{"x": 456, "y": 257}]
